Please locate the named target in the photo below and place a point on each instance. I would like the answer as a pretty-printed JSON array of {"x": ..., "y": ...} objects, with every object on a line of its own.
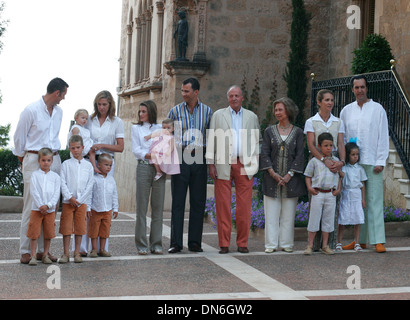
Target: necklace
[{"x": 284, "y": 128}]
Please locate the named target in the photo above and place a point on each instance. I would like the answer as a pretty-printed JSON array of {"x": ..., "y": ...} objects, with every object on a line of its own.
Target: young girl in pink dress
[{"x": 164, "y": 155}]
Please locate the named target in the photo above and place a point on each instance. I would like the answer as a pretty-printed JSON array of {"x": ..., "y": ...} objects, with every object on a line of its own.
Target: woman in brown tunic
[{"x": 282, "y": 158}]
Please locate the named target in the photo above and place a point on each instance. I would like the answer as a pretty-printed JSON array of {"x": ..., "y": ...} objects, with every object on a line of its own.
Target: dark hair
[
  {"x": 349, "y": 147},
  {"x": 194, "y": 83},
  {"x": 358, "y": 77},
  {"x": 56, "y": 84},
  {"x": 152, "y": 111},
  {"x": 324, "y": 136}
]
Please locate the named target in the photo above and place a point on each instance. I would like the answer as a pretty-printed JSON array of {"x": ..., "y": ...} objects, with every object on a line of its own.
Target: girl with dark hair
[{"x": 352, "y": 200}]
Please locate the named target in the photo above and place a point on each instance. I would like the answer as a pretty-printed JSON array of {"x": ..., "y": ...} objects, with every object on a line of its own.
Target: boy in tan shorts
[
  {"x": 104, "y": 204},
  {"x": 45, "y": 190},
  {"x": 77, "y": 179}
]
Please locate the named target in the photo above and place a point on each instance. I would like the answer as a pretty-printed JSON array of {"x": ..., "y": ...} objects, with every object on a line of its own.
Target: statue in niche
[{"x": 181, "y": 36}]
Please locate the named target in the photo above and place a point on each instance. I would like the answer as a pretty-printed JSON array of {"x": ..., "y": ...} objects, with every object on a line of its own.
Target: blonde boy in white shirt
[
  {"x": 45, "y": 190},
  {"x": 104, "y": 204},
  {"x": 77, "y": 179}
]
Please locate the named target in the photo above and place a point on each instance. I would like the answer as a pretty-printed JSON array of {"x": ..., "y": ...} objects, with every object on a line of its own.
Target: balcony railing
[{"x": 385, "y": 88}]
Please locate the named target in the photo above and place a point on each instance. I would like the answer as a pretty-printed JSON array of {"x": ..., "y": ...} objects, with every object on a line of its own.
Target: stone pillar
[
  {"x": 138, "y": 42},
  {"x": 143, "y": 43},
  {"x": 160, "y": 12},
  {"x": 199, "y": 47},
  {"x": 148, "y": 19},
  {"x": 129, "y": 46}
]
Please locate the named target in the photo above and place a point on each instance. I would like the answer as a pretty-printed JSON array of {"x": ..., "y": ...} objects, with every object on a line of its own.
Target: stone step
[
  {"x": 404, "y": 186},
  {"x": 393, "y": 157},
  {"x": 399, "y": 172},
  {"x": 407, "y": 196}
]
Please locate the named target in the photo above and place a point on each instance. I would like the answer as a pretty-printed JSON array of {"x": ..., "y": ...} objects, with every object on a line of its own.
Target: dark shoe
[
  {"x": 25, "y": 258},
  {"x": 224, "y": 250},
  {"x": 174, "y": 250},
  {"x": 195, "y": 248},
  {"x": 243, "y": 250}
]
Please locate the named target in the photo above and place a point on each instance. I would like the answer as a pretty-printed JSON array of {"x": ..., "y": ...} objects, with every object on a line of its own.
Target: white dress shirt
[
  {"x": 107, "y": 133},
  {"x": 236, "y": 127},
  {"x": 368, "y": 127},
  {"x": 140, "y": 146},
  {"x": 45, "y": 190},
  {"x": 105, "y": 195},
  {"x": 36, "y": 129},
  {"x": 77, "y": 179}
]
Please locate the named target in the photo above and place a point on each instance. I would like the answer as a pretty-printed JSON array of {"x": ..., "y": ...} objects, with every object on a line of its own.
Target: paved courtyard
[{"x": 203, "y": 276}]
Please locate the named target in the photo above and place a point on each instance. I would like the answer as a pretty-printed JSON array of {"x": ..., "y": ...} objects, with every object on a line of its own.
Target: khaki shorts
[
  {"x": 73, "y": 220},
  {"x": 100, "y": 224},
  {"x": 36, "y": 220}
]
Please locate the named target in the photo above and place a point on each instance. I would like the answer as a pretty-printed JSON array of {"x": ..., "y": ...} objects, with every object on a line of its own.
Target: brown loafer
[
  {"x": 39, "y": 256},
  {"x": 243, "y": 250},
  {"x": 25, "y": 258},
  {"x": 224, "y": 250}
]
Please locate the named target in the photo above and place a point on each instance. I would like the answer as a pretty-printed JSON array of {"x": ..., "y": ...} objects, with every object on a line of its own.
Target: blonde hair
[
  {"x": 45, "y": 152},
  {"x": 104, "y": 157},
  {"x": 75, "y": 138},
  {"x": 80, "y": 111}
]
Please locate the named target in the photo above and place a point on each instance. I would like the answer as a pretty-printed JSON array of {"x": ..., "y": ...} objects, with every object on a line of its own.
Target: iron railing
[{"x": 385, "y": 88}]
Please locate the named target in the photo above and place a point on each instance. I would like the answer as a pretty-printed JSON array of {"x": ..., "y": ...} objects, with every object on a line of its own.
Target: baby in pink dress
[{"x": 164, "y": 156}]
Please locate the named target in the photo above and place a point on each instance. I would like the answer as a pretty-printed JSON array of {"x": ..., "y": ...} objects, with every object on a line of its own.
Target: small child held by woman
[
  {"x": 81, "y": 119},
  {"x": 164, "y": 156},
  {"x": 352, "y": 200}
]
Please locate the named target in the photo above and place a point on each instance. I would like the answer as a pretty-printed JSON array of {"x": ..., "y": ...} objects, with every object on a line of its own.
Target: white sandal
[
  {"x": 357, "y": 247},
  {"x": 339, "y": 247}
]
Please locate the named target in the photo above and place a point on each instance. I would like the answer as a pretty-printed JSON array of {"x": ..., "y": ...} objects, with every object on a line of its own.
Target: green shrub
[
  {"x": 374, "y": 54},
  {"x": 11, "y": 178}
]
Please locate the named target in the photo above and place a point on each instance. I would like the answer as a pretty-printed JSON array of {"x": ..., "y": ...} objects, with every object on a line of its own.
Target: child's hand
[
  {"x": 74, "y": 202},
  {"x": 115, "y": 215},
  {"x": 44, "y": 209},
  {"x": 336, "y": 192},
  {"x": 147, "y": 138},
  {"x": 364, "y": 203},
  {"x": 313, "y": 191},
  {"x": 89, "y": 214}
]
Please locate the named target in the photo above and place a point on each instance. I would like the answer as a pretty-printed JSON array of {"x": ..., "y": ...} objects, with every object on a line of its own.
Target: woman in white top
[
  {"x": 107, "y": 133},
  {"x": 107, "y": 130},
  {"x": 147, "y": 118},
  {"x": 325, "y": 121}
]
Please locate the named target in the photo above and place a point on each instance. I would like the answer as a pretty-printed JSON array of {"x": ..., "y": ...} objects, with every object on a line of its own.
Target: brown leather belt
[{"x": 324, "y": 191}]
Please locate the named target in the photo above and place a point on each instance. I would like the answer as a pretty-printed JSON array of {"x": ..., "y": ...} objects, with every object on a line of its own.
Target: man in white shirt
[
  {"x": 237, "y": 160},
  {"x": 38, "y": 127},
  {"x": 366, "y": 124}
]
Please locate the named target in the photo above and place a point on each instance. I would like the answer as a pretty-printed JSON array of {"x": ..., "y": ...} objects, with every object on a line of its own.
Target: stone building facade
[{"x": 233, "y": 42}]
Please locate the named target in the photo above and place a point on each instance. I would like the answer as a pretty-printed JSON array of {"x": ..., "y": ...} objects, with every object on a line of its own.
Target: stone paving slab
[{"x": 202, "y": 276}]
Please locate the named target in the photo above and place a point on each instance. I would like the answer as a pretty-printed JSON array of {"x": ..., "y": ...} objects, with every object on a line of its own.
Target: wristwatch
[
  {"x": 322, "y": 159},
  {"x": 291, "y": 173}
]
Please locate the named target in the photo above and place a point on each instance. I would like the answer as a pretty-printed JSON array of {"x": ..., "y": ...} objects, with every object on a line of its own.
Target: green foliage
[
  {"x": 373, "y": 55},
  {"x": 297, "y": 67},
  {"x": 4, "y": 135},
  {"x": 11, "y": 178}
]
